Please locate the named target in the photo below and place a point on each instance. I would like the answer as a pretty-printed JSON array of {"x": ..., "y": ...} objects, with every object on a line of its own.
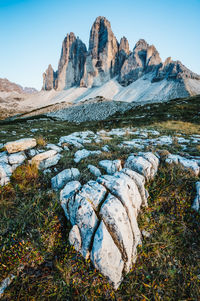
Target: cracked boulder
[{"x": 103, "y": 214}]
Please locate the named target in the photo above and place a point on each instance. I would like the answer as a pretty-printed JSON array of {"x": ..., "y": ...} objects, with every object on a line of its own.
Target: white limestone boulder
[
  {"x": 67, "y": 194},
  {"x": 65, "y": 176},
  {"x": 94, "y": 192},
  {"x": 5, "y": 173},
  {"x": 87, "y": 222},
  {"x": 20, "y": 145},
  {"x": 140, "y": 182},
  {"x": 110, "y": 166},
  {"x": 140, "y": 165},
  {"x": 4, "y": 157},
  {"x": 125, "y": 189},
  {"x": 54, "y": 147},
  {"x": 94, "y": 170},
  {"x": 106, "y": 257},
  {"x": 116, "y": 220},
  {"x": 46, "y": 159},
  {"x": 17, "y": 158},
  {"x": 84, "y": 153},
  {"x": 190, "y": 165},
  {"x": 75, "y": 238}
]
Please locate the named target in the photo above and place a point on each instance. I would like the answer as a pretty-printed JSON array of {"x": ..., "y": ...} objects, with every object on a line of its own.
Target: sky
[{"x": 32, "y": 31}]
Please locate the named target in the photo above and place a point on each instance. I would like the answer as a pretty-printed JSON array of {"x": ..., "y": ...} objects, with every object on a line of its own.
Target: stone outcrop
[
  {"x": 108, "y": 59},
  {"x": 187, "y": 164},
  {"x": 103, "y": 215}
]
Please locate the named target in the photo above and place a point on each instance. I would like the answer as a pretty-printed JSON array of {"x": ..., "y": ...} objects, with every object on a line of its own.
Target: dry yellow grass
[{"x": 179, "y": 126}]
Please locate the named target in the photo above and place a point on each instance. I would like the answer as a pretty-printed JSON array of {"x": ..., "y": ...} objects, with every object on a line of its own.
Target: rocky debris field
[{"x": 103, "y": 210}]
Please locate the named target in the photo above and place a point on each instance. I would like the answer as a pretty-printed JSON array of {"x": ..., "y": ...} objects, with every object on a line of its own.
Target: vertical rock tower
[{"x": 102, "y": 54}]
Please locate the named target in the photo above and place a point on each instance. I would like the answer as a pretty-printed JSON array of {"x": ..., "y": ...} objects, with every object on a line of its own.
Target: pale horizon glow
[{"x": 32, "y": 31}]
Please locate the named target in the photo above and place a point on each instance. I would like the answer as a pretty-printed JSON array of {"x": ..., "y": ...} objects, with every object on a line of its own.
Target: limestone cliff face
[
  {"x": 71, "y": 64},
  {"x": 106, "y": 59},
  {"x": 101, "y": 59},
  {"x": 143, "y": 59}
]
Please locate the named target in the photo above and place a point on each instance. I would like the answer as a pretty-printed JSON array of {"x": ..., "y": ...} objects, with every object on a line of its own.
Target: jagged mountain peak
[{"x": 106, "y": 58}]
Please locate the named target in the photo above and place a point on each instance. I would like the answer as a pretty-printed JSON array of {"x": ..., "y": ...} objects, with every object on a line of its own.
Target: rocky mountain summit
[
  {"x": 106, "y": 59},
  {"x": 7, "y": 86}
]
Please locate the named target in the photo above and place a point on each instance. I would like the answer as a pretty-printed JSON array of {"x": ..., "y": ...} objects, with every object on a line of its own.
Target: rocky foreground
[{"x": 104, "y": 211}]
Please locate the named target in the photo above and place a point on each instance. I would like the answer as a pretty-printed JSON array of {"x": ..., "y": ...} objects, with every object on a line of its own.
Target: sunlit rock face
[
  {"x": 102, "y": 55},
  {"x": 107, "y": 59}
]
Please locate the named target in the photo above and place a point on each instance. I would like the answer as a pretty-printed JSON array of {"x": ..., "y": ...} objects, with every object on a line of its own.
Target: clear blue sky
[{"x": 32, "y": 31}]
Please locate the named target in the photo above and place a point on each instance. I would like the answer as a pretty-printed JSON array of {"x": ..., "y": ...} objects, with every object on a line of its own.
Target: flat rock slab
[
  {"x": 46, "y": 159},
  {"x": 20, "y": 145}
]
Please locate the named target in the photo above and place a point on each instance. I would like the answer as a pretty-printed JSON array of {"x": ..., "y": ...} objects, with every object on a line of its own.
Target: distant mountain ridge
[
  {"x": 107, "y": 59},
  {"x": 7, "y": 86}
]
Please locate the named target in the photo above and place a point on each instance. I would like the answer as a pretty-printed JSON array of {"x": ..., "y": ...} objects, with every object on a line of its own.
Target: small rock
[
  {"x": 75, "y": 238},
  {"x": 196, "y": 202},
  {"x": 105, "y": 148},
  {"x": 94, "y": 170},
  {"x": 110, "y": 166},
  {"x": 145, "y": 233},
  {"x": 84, "y": 153},
  {"x": 65, "y": 176},
  {"x": 17, "y": 158},
  {"x": 46, "y": 159},
  {"x": 54, "y": 147}
]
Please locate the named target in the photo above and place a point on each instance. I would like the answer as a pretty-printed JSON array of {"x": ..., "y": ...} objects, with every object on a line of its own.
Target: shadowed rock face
[
  {"x": 70, "y": 67},
  {"x": 106, "y": 58},
  {"x": 144, "y": 59},
  {"x": 49, "y": 78}
]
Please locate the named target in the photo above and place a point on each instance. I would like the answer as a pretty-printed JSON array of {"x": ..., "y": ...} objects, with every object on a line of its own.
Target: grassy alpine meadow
[{"x": 34, "y": 245}]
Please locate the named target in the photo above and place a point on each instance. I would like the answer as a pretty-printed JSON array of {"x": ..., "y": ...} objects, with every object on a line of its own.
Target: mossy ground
[{"x": 34, "y": 231}]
